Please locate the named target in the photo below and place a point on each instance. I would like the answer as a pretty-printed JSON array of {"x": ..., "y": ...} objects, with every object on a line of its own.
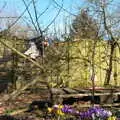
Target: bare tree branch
[
  {"x": 19, "y": 17},
  {"x": 63, "y": 8},
  {"x": 30, "y": 16},
  {"x": 54, "y": 18},
  {"x": 44, "y": 11},
  {"x": 5, "y": 3},
  {"x": 21, "y": 54},
  {"x": 36, "y": 16}
]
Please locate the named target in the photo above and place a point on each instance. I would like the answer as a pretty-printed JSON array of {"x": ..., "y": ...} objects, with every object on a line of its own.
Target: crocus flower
[
  {"x": 92, "y": 113},
  {"x": 58, "y": 109},
  {"x": 112, "y": 118},
  {"x": 50, "y": 110}
]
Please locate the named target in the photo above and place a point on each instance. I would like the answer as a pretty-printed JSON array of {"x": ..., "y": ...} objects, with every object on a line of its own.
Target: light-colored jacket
[{"x": 33, "y": 52}]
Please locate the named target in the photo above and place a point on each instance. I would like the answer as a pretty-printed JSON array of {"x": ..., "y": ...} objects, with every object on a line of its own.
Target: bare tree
[{"x": 109, "y": 22}]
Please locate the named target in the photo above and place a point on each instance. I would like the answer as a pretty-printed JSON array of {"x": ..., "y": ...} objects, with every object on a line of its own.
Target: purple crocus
[
  {"x": 92, "y": 113},
  {"x": 68, "y": 109}
]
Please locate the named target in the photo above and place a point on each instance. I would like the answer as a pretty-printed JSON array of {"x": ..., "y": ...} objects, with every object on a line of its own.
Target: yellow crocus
[
  {"x": 50, "y": 110},
  {"x": 60, "y": 106},
  {"x": 112, "y": 118},
  {"x": 59, "y": 112}
]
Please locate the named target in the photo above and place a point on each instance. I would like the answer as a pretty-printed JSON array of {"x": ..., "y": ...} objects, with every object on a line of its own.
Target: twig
[
  {"x": 36, "y": 16},
  {"x": 19, "y": 17},
  {"x": 54, "y": 18},
  {"x": 30, "y": 15}
]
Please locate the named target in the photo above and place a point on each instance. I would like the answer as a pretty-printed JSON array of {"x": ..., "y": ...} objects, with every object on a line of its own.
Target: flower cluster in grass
[{"x": 94, "y": 113}]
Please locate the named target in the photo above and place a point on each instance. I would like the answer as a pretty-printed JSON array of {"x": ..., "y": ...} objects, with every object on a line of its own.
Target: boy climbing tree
[{"x": 36, "y": 48}]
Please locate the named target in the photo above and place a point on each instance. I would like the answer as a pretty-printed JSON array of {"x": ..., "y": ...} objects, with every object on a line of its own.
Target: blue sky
[{"x": 16, "y": 7}]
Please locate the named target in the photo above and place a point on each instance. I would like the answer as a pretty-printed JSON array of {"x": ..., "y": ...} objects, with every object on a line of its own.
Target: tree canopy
[{"x": 84, "y": 26}]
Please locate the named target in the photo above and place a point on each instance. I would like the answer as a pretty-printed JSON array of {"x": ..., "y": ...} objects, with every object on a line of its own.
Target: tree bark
[{"x": 110, "y": 65}]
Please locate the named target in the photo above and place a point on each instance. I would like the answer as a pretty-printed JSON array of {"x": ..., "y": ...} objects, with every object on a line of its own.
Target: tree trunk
[{"x": 109, "y": 70}]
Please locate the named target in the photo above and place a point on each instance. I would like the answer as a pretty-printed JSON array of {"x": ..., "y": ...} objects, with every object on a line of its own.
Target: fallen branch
[
  {"x": 21, "y": 54},
  {"x": 18, "y": 92}
]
